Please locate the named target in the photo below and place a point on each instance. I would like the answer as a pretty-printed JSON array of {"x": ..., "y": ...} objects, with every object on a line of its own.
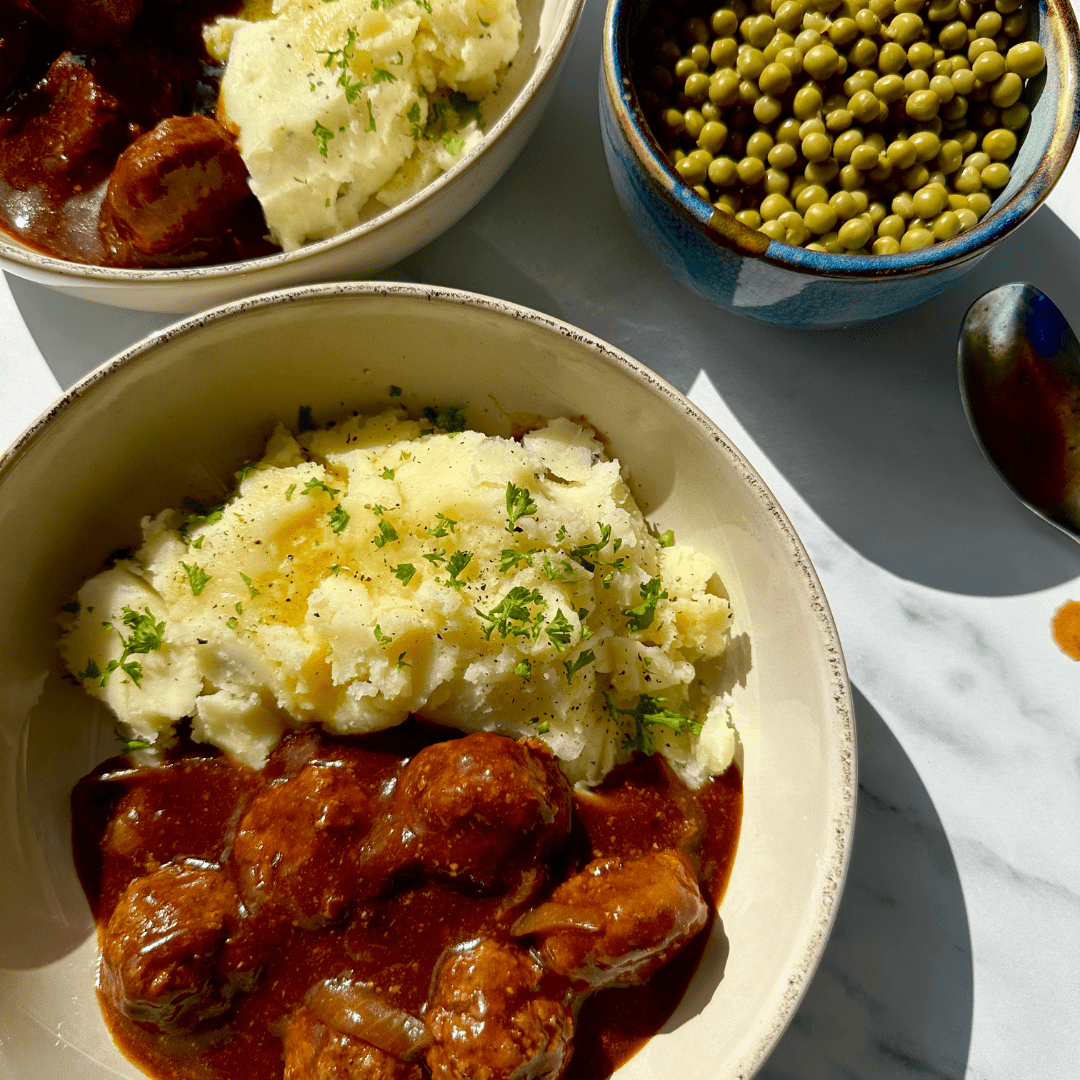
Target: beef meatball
[
  {"x": 164, "y": 957},
  {"x": 480, "y": 809},
  {"x": 617, "y": 921},
  {"x": 495, "y": 1015},
  {"x": 92, "y": 22},
  {"x": 299, "y": 844},
  {"x": 175, "y": 191},
  {"x": 314, "y": 1051}
]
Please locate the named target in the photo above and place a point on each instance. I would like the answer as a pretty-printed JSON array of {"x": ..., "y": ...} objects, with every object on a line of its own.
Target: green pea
[
  {"x": 863, "y": 106},
  {"x": 1015, "y": 24},
  {"x": 942, "y": 86},
  {"x": 696, "y": 87},
  {"x": 783, "y": 156},
  {"x": 905, "y": 28},
  {"x": 723, "y": 172},
  {"x": 915, "y": 81},
  {"x": 966, "y": 218},
  {"x": 724, "y": 52},
  {"x": 795, "y": 228},
  {"x": 889, "y": 88},
  {"x": 845, "y": 143},
  {"x": 787, "y": 131},
  {"x": 929, "y": 201},
  {"x": 892, "y": 225},
  {"x": 750, "y": 63},
  {"x": 980, "y": 45},
  {"x": 954, "y": 111},
  {"x": 891, "y": 58},
  {"x": 816, "y": 147},
  {"x": 862, "y": 200},
  {"x": 767, "y": 109},
  {"x": 806, "y": 41},
  {"x": 902, "y": 153},
  {"x": 950, "y": 157},
  {"x": 685, "y": 67},
  {"x": 750, "y": 218},
  {"x": 927, "y": 145},
  {"x": 945, "y": 226},
  {"x": 709, "y": 111},
  {"x": 916, "y": 238},
  {"x": 751, "y": 170},
  {"x": 967, "y": 139},
  {"x": 729, "y": 203},
  {"x": 831, "y": 243},
  {"x": 774, "y": 231},
  {"x": 988, "y": 67},
  {"x": 1007, "y": 90},
  {"x": 724, "y": 88},
  {"x": 762, "y": 30},
  {"x": 1000, "y": 144},
  {"x": 808, "y": 196},
  {"x": 789, "y": 15},
  {"x": 672, "y": 119},
  {"x": 1026, "y": 59},
  {"x": 979, "y": 203},
  {"x": 724, "y": 22},
  {"x": 995, "y": 176},
  {"x": 807, "y": 103},
  {"x": 776, "y": 182},
  {"x": 759, "y": 144},
  {"x": 916, "y": 177},
  {"x": 695, "y": 30},
  {"x": 772, "y": 206},
  {"x": 989, "y": 24},
  {"x": 820, "y": 218},
  {"x": 821, "y": 62},
  {"x": 864, "y": 157},
  {"x": 942, "y": 11},
  {"x": 968, "y": 181},
  {"x": 885, "y": 245},
  {"x": 923, "y": 105},
  {"x": 748, "y": 92},
  {"x": 821, "y": 172},
  {"x": 954, "y": 36},
  {"x": 845, "y": 204},
  {"x": 791, "y": 58},
  {"x": 693, "y": 122},
  {"x": 855, "y": 232},
  {"x": 883, "y": 9},
  {"x": 691, "y": 170},
  {"x": 843, "y": 31},
  {"x": 863, "y": 53},
  {"x": 851, "y": 178},
  {"x": 1015, "y": 116},
  {"x": 703, "y": 191},
  {"x": 883, "y": 169},
  {"x": 963, "y": 81},
  {"x": 867, "y": 22},
  {"x": 920, "y": 55},
  {"x": 712, "y": 136},
  {"x": 838, "y": 120},
  {"x": 978, "y": 159},
  {"x": 814, "y": 125}
]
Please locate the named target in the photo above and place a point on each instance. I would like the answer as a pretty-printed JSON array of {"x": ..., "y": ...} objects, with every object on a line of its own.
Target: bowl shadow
[{"x": 893, "y": 995}]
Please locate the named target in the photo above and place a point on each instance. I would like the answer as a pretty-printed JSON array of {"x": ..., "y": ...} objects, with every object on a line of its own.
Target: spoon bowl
[{"x": 1019, "y": 364}]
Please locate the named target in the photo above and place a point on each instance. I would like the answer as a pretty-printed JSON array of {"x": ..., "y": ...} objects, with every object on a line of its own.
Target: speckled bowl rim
[
  {"x": 1060, "y": 21},
  {"x": 546, "y": 69},
  {"x": 836, "y": 857}
]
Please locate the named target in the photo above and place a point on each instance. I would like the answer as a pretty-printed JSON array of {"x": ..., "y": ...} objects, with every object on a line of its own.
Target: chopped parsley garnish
[
  {"x": 445, "y": 525},
  {"x": 587, "y": 657},
  {"x": 335, "y": 569},
  {"x": 593, "y": 549},
  {"x": 323, "y": 135},
  {"x": 339, "y": 518},
  {"x": 402, "y": 662},
  {"x": 131, "y": 745},
  {"x": 649, "y": 713},
  {"x": 197, "y": 577},
  {"x": 524, "y": 670},
  {"x": 289, "y": 492},
  {"x": 560, "y": 536},
  {"x": 641, "y": 615},
  {"x": 455, "y": 564},
  {"x": 559, "y": 630},
  {"x": 239, "y": 608},
  {"x": 395, "y": 391},
  {"x": 146, "y": 636},
  {"x": 380, "y": 637},
  {"x": 232, "y": 623},
  {"x": 557, "y": 572},
  {"x": 246, "y": 470},
  {"x": 449, "y": 417},
  {"x": 436, "y": 557},
  {"x": 319, "y": 485},
  {"x": 92, "y": 671},
  {"x": 404, "y": 572},
  {"x": 512, "y": 616},
  {"x": 382, "y": 75},
  {"x": 384, "y": 4},
  {"x": 73, "y": 606},
  {"x": 519, "y": 504},
  {"x": 376, "y": 508},
  {"x": 252, "y": 591},
  {"x": 371, "y": 117},
  {"x": 485, "y": 25},
  {"x": 424, "y": 4},
  {"x": 200, "y": 515},
  {"x": 387, "y": 533},
  {"x": 304, "y": 421},
  {"x": 454, "y": 143},
  {"x": 198, "y": 542},
  {"x": 666, "y": 539},
  {"x": 543, "y": 728},
  {"x": 387, "y": 473},
  {"x": 511, "y": 559}
]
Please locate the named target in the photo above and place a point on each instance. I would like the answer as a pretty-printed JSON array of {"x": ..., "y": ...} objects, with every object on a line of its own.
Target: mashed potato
[
  {"x": 388, "y": 566},
  {"x": 336, "y": 101}
]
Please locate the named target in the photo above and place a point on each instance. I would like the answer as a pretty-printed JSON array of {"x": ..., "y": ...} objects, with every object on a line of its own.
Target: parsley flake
[
  {"x": 395, "y": 391},
  {"x": 455, "y": 565},
  {"x": 511, "y": 558},
  {"x": 371, "y": 117},
  {"x": 289, "y": 492},
  {"x": 232, "y": 623},
  {"x": 449, "y": 417},
  {"x": 339, "y": 518},
  {"x": 387, "y": 473},
  {"x": 519, "y": 504},
  {"x": 666, "y": 539},
  {"x": 146, "y": 636},
  {"x": 323, "y": 135},
  {"x": 197, "y": 577},
  {"x": 641, "y": 615},
  {"x": 382, "y": 75},
  {"x": 436, "y": 557},
  {"x": 513, "y": 615},
  {"x": 587, "y": 657},
  {"x": 252, "y": 591},
  {"x": 317, "y": 485},
  {"x": 404, "y": 572},
  {"x": 445, "y": 525},
  {"x": 387, "y": 533},
  {"x": 524, "y": 670},
  {"x": 559, "y": 630},
  {"x": 647, "y": 714},
  {"x": 380, "y": 637}
]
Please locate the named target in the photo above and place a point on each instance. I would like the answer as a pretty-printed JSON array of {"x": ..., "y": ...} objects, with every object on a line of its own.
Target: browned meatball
[
  {"x": 481, "y": 809},
  {"x": 299, "y": 844},
  {"x": 92, "y": 22},
  {"x": 175, "y": 190},
  {"x": 164, "y": 956},
  {"x": 314, "y": 1051},
  {"x": 495, "y": 1015},
  {"x": 617, "y": 921},
  {"x": 85, "y": 110}
]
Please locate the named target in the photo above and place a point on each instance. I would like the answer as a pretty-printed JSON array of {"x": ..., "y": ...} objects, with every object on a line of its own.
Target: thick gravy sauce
[{"x": 129, "y": 821}]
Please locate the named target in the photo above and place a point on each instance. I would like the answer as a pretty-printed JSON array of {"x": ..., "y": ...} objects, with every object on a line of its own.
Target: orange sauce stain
[{"x": 1066, "y": 626}]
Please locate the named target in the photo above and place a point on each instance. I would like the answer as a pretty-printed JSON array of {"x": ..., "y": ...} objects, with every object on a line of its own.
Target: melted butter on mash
[
  {"x": 386, "y": 566},
  {"x": 336, "y": 101}
]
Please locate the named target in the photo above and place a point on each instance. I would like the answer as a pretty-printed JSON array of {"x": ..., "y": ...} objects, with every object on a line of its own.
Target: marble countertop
[{"x": 956, "y": 952}]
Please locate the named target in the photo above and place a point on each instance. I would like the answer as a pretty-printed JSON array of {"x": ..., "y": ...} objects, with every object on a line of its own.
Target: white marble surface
[{"x": 957, "y": 948}]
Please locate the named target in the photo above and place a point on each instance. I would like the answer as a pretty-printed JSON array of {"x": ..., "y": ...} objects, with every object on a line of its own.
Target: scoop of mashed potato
[
  {"x": 387, "y": 566},
  {"x": 336, "y": 102}
]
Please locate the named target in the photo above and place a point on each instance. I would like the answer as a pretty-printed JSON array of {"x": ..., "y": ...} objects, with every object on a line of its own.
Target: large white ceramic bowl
[
  {"x": 177, "y": 413},
  {"x": 511, "y": 114}
]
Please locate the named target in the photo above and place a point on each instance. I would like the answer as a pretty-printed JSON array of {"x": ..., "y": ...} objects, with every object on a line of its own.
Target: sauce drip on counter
[{"x": 131, "y": 821}]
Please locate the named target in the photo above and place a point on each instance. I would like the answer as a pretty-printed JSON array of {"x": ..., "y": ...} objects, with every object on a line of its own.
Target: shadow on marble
[{"x": 892, "y": 999}]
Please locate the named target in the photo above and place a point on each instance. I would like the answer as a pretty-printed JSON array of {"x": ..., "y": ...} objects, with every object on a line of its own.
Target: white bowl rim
[
  {"x": 836, "y": 858},
  {"x": 546, "y": 69}
]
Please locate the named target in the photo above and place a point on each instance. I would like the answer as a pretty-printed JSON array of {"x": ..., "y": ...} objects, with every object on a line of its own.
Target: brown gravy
[{"x": 196, "y": 800}]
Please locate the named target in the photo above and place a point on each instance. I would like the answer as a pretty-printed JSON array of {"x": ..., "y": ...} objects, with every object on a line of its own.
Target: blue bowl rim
[{"x": 1061, "y": 33}]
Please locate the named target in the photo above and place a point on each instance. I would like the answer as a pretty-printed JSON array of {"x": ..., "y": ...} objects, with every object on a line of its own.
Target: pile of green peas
[{"x": 848, "y": 126}]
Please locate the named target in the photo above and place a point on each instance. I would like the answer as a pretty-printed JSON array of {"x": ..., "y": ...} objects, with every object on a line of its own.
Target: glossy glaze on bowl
[
  {"x": 512, "y": 112},
  {"x": 743, "y": 270},
  {"x": 178, "y": 413}
]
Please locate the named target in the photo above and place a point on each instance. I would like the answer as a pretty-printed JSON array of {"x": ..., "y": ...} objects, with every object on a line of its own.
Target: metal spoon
[{"x": 1020, "y": 382}]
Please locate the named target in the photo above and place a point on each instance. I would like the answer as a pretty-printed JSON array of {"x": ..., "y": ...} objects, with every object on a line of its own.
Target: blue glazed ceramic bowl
[{"x": 746, "y": 272}]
